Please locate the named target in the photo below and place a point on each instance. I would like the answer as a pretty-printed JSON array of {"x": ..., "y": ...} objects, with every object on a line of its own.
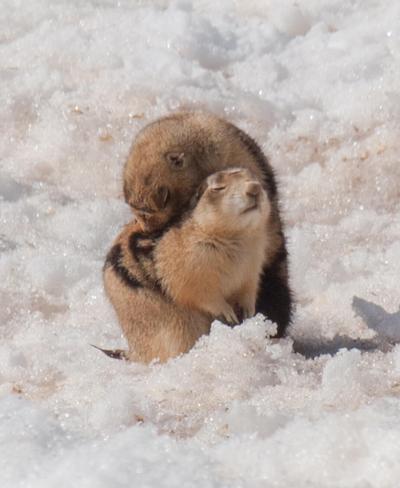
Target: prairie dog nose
[
  {"x": 161, "y": 197},
  {"x": 253, "y": 189}
]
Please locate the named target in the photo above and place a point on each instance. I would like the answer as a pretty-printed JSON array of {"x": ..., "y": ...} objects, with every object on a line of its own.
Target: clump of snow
[{"x": 316, "y": 83}]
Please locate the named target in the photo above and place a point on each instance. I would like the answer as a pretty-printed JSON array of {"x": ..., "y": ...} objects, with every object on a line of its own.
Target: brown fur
[
  {"x": 206, "y": 144},
  {"x": 167, "y": 289},
  {"x": 177, "y": 153},
  {"x": 153, "y": 325},
  {"x": 167, "y": 163}
]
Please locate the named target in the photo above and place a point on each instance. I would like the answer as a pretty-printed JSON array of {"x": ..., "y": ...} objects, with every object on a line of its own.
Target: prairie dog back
[{"x": 154, "y": 326}]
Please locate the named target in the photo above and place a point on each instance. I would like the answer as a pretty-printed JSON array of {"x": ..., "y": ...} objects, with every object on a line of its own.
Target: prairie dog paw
[
  {"x": 229, "y": 315},
  {"x": 248, "y": 311}
]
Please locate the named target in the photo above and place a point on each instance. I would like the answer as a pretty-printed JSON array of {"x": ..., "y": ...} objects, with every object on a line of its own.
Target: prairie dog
[
  {"x": 167, "y": 288},
  {"x": 212, "y": 262},
  {"x": 167, "y": 163},
  {"x": 154, "y": 326}
]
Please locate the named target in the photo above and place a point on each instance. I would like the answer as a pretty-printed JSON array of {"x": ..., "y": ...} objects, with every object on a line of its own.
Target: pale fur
[{"x": 213, "y": 261}]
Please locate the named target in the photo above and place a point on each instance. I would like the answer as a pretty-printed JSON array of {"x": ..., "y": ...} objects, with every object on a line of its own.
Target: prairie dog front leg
[{"x": 247, "y": 299}]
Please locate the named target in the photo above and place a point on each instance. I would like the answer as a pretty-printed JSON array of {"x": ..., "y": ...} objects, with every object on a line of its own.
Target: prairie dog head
[
  {"x": 164, "y": 168},
  {"x": 232, "y": 199}
]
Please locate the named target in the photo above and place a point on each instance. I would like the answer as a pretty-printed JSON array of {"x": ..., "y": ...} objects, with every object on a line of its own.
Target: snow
[{"x": 317, "y": 84}]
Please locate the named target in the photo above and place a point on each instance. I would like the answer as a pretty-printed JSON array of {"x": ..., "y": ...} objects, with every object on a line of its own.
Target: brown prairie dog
[{"x": 212, "y": 262}]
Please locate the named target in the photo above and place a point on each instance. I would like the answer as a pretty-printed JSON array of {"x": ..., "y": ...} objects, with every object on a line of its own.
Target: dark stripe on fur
[
  {"x": 260, "y": 159},
  {"x": 114, "y": 259},
  {"x": 137, "y": 247},
  {"x": 138, "y": 241},
  {"x": 141, "y": 252}
]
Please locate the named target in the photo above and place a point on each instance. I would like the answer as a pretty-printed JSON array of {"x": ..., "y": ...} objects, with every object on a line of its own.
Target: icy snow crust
[{"x": 317, "y": 85}]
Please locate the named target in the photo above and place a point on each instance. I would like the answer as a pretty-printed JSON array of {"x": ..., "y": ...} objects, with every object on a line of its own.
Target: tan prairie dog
[
  {"x": 212, "y": 262},
  {"x": 168, "y": 161},
  {"x": 166, "y": 288}
]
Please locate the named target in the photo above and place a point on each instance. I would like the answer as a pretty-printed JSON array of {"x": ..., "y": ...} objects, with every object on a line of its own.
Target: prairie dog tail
[{"x": 113, "y": 353}]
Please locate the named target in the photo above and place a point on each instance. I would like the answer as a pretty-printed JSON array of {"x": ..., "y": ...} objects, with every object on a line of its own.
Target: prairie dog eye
[
  {"x": 176, "y": 160},
  {"x": 218, "y": 188}
]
